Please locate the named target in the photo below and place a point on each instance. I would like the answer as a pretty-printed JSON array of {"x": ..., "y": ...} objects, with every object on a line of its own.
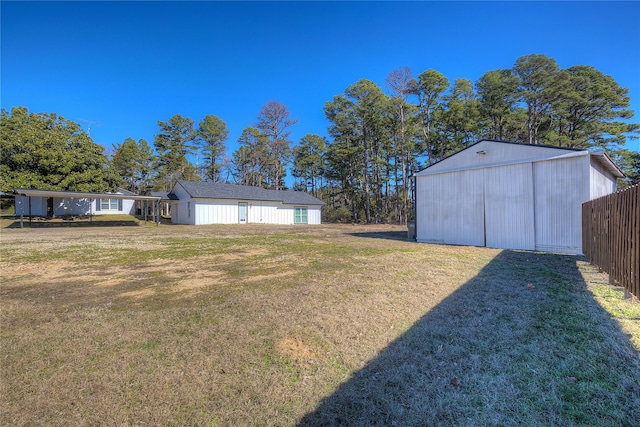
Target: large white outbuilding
[
  {"x": 512, "y": 196},
  {"x": 198, "y": 203}
]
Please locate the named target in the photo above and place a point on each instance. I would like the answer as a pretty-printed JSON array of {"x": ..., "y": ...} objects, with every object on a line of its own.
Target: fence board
[{"x": 611, "y": 236}]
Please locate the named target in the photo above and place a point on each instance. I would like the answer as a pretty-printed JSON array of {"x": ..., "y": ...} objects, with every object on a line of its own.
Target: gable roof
[
  {"x": 209, "y": 190},
  {"x": 486, "y": 153}
]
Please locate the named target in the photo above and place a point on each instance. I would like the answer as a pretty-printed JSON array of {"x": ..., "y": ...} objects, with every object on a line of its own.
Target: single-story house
[
  {"x": 198, "y": 203},
  {"x": 50, "y": 203},
  {"x": 510, "y": 195}
]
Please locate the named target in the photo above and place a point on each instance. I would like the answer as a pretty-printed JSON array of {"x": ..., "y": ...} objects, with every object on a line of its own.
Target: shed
[
  {"x": 198, "y": 203},
  {"x": 510, "y": 195}
]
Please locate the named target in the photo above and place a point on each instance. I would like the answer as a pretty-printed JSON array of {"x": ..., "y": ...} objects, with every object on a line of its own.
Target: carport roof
[{"x": 31, "y": 192}]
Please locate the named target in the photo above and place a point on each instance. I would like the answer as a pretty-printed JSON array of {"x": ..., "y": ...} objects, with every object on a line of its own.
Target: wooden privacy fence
[{"x": 611, "y": 236}]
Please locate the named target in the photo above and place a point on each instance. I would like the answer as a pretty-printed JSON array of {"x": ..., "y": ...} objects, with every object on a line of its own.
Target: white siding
[
  {"x": 601, "y": 182},
  {"x": 270, "y": 213},
  {"x": 180, "y": 192},
  {"x": 561, "y": 186},
  {"x": 182, "y": 212},
  {"x": 514, "y": 197},
  {"x": 508, "y": 206},
  {"x": 225, "y": 211},
  {"x": 450, "y": 208},
  {"x": 128, "y": 207},
  {"x": 314, "y": 215},
  {"x": 429, "y": 212}
]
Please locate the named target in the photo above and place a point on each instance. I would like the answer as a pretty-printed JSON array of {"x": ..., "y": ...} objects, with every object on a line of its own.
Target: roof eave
[
  {"x": 606, "y": 161},
  {"x": 32, "y": 192}
]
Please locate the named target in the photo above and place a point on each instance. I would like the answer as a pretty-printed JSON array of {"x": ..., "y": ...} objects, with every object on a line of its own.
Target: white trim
[{"x": 426, "y": 171}]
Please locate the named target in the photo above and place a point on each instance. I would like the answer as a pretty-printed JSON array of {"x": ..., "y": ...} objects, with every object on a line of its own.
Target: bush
[{"x": 340, "y": 215}]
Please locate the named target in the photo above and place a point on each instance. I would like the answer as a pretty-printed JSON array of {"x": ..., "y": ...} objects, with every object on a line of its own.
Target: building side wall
[
  {"x": 128, "y": 207},
  {"x": 561, "y": 186},
  {"x": 531, "y": 206},
  {"x": 182, "y": 212},
  {"x": 180, "y": 192},
  {"x": 269, "y": 213},
  {"x": 430, "y": 212},
  {"x": 67, "y": 206},
  {"x": 601, "y": 182},
  {"x": 38, "y": 206},
  {"x": 314, "y": 215},
  {"x": 226, "y": 211}
]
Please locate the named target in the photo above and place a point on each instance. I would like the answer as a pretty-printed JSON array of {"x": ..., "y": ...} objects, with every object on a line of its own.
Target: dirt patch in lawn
[{"x": 301, "y": 353}]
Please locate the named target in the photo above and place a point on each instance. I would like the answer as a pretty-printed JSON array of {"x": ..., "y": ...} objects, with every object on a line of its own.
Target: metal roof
[
  {"x": 208, "y": 190},
  {"x": 605, "y": 161},
  {"x": 32, "y": 192}
]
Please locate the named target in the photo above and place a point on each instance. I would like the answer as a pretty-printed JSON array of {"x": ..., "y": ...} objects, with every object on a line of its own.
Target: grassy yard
[{"x": 319, "y": 326}]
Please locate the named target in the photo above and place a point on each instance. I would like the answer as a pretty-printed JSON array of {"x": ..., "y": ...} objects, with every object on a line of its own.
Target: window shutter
[
  {"x": 98, "y": 202},
  {"x": 120, "y": 204}
]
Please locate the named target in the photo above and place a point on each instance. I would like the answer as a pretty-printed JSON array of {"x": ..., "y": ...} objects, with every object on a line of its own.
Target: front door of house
[
  {"x": 50, "y": 212},
  {"x": 242, "y": 213}
]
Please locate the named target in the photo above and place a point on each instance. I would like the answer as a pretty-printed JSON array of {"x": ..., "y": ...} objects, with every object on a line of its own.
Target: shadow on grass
[
  {"x": 74, "y": 223},
  {"x": 522, "y": 343},
  {"x": 388, "y": 235}
]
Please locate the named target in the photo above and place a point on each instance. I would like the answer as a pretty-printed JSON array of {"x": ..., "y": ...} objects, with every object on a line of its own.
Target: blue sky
[{"x": 129, "y": 64}]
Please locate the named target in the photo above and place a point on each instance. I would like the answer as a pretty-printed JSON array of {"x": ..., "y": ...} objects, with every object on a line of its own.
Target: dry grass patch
[{"x": 330, "y": 325}]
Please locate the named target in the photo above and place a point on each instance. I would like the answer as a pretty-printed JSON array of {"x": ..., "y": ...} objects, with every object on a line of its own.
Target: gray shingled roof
[
  {"x": 164, "y": 195},
  {"x": 208, "y": 190}
]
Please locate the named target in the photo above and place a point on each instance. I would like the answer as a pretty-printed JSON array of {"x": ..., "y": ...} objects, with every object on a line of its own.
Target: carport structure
[{"x": 91, "y": 199}]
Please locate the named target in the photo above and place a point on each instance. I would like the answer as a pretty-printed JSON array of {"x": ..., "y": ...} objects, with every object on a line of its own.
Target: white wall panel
[
  {"x": 182, "y": 212},
  {"x": 561, "y": 186},
  {"x": 429, "y": 210},
  {"x": 464, "y": 220},
  {"x": 509, "y": 212},
  {"x": 511, "y": 196},
  {"x": 225, "y": 211},
  {"x": 38, "y": 206},
  {"x": 601, "y": 182},
  {"x": 314, "y": 215},
  {"x": 450, "y": 208}
]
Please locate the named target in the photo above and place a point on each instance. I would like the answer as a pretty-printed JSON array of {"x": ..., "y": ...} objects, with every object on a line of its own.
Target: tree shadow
[
  {"x": 66, "y": 223},
  {"x": 522, "y": 343},
  {"x": 387, "y": 235}
]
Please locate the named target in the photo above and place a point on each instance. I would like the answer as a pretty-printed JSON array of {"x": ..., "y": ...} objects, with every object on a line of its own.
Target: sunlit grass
[{"x": 330, "y": 325}]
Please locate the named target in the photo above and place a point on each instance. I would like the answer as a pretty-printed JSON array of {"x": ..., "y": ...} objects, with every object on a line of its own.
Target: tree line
[{"x": 377, "y": 138}]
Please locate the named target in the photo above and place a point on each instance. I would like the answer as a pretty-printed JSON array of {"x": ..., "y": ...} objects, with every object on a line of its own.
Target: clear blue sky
[{"x": 129, "y": 64}]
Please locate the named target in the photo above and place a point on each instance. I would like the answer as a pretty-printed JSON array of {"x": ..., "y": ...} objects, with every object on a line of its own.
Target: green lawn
[{"x": 313, "y": 325}]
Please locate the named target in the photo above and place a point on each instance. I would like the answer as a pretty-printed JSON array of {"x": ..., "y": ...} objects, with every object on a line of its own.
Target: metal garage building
[{"x": 510, "y": 195}]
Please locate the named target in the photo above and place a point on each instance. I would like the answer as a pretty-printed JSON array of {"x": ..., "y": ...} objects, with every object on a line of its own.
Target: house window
[
  {"x": 300, "y": 215},
  {"x": 109, "y": 204}
]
